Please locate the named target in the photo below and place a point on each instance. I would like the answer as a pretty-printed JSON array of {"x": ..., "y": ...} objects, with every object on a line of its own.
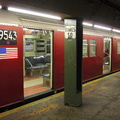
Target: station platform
[{"x": 100, "y": 101}]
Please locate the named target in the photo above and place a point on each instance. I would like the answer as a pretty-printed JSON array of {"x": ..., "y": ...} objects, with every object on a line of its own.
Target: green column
[{"x": 73, "y": 62}]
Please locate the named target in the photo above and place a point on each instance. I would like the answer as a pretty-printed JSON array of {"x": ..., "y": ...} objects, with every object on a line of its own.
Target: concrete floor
[{"x": 101, "y": 101}]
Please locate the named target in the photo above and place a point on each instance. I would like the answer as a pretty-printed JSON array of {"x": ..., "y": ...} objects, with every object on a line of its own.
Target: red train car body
[
  {"x": 93, "y": 65},
  {"x": 11, "y": 87},
  {"x": 11, "y": 66},
  {"x": 115, "y": 55},
  {"x": 58, "y": 60}
]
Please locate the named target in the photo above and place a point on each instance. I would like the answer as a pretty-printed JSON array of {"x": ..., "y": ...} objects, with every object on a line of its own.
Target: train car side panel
[
  {"x": 11, "y": 65},
  {"x": 58, "y": 60},
  {"x": 115, "y": 54},
  {"x": 93, "y": 66}
]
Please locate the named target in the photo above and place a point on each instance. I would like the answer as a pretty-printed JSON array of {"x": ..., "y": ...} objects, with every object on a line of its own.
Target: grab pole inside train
[{"x": 73, "y": 62}]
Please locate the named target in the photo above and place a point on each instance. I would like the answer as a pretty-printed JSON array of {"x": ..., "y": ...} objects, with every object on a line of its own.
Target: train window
[
  {"x": 85, "y": 48},
  {"x": 118, "y": 48},
  {"x": 92, "y": 48}
]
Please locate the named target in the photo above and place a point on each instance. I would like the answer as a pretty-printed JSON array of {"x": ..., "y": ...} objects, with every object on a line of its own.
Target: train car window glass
[
  {"x": 85, "y": 48},
  {"x": 92, "y": 48},
  {"x": 118, "y": 48}
]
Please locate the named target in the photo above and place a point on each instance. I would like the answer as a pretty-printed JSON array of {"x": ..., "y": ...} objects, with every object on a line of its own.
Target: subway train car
[
  {"x": 32, "y": 56},
  {"x": 100, "y": 53}
]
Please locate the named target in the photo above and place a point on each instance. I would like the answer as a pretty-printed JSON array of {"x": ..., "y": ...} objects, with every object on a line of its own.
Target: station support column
[{"x": 73, "y": 62}]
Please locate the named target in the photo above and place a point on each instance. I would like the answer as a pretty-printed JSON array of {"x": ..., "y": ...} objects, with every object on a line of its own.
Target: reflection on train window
[
  {"x": 92, "y": 48},
  {"x": 85, "y": 48},
  {"x": 118, "y": 48}
]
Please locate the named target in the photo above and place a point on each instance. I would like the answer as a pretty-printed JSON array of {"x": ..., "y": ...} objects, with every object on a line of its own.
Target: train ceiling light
[
  {"x": 115, "y": 30},
  {"x": 0, "y": 7},
  {"x": 13, "y": 9},
  {"x": 102, "y": 27},
  {"x": 87, "y": 24}
]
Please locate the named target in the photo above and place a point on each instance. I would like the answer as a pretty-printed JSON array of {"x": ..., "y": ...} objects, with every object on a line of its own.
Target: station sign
[
  {"x": 70, "y": 29},
  {"x": 8, "y": 37}
]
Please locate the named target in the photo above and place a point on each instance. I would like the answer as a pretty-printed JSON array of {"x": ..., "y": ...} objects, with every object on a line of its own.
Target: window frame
[
  {"x": 87, "y": 46},
  {"x": 91, "y": 45},
  {"x": 118, "y": 46}
]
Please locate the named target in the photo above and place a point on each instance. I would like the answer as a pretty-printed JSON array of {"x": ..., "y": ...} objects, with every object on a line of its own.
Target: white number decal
[
  {"x": 1, "y": 34},
  {"x": 10, "y": 35},
  {"x": 15, "y": 35},
  {"x": 6, "y": 35}
]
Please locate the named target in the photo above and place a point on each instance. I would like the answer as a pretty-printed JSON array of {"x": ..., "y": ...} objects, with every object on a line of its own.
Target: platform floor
[{"x": 100, "y": 101}]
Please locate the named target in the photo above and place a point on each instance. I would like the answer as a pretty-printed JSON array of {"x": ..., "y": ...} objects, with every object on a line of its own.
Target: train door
[
  {"x": 37, "y": 61},
  {"x": 107, "y": 55}
]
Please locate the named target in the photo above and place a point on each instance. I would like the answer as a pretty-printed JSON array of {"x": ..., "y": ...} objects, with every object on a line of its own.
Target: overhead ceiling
[{"x": 99, "y": 11}]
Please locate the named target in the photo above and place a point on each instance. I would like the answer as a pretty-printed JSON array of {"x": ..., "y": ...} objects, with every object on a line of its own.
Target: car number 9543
[{"x": 8, "y": 35}]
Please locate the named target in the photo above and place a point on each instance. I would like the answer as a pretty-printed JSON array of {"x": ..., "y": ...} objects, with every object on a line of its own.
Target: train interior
[{"x": 37, "y": 61}]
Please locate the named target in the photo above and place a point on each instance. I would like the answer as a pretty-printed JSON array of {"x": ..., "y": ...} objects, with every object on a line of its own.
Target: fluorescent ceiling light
[
  {"x": 33, "y": 13},
  {"x": 61, "y": 30},
  {"x": 25, "y": 28},
  {"x": 40, "y": 22},
  {"x": 102, "y": 27},
  {"x": 87, "y": 24},
  {"x": 115, "y": 30},
  {"x": 0, "y": 6},
  {"x": 28, "y": 29}
]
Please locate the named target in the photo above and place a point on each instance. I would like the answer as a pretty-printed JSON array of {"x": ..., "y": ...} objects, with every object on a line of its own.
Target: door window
[
  {"x": 107, "y": 55},
  {"x": 92, "y": 48},
  {"x": 118, "y": 47},
  {"x": 85, "y": 48}
]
